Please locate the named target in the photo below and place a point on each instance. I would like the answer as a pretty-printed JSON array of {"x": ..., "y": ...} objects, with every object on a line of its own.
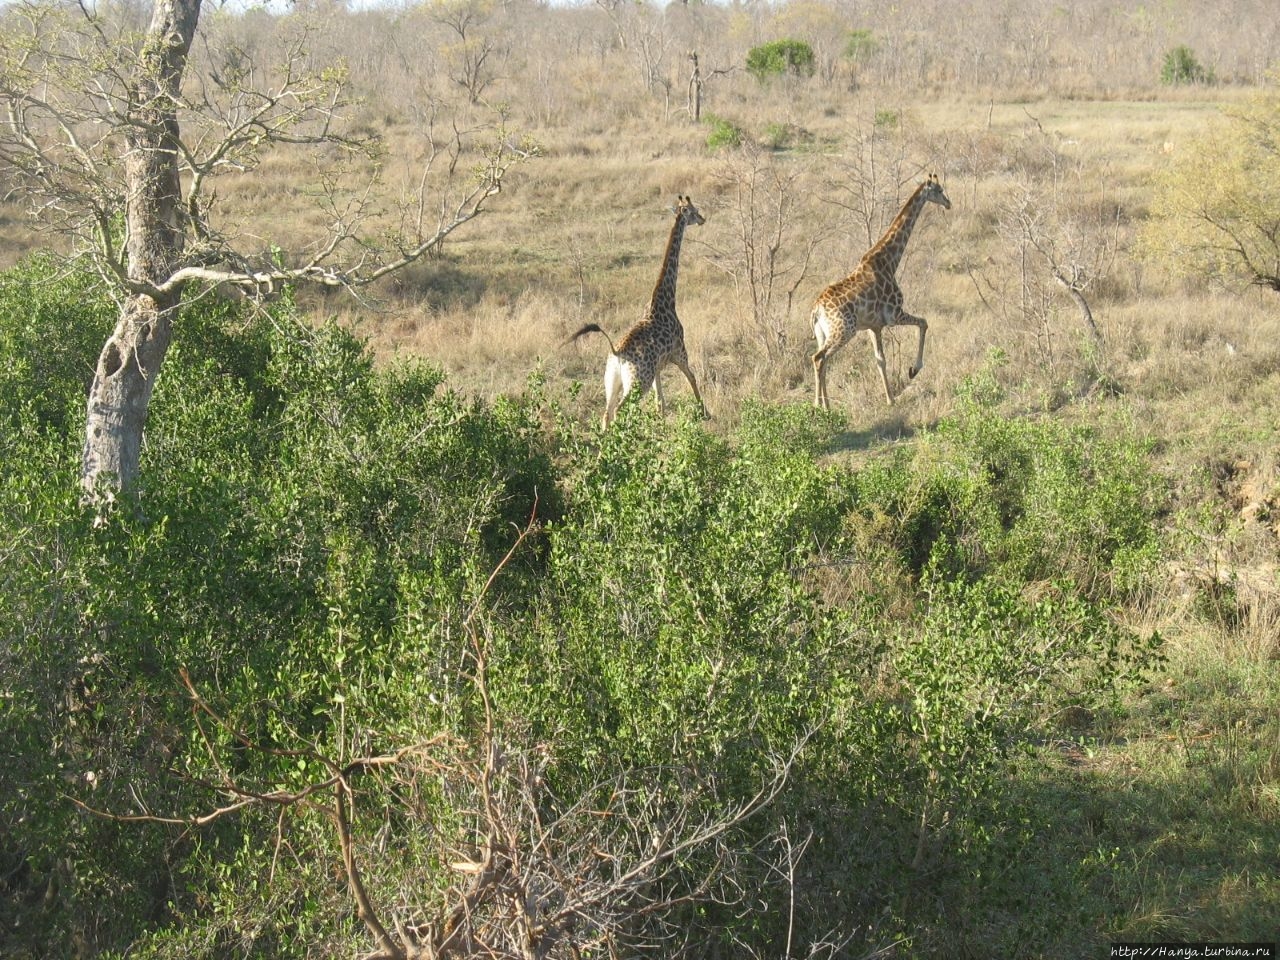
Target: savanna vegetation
[{"x": 387, "y": 650}]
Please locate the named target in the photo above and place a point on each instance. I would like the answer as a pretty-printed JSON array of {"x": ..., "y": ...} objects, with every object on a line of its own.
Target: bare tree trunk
[
  {"x": 695, "y": 89},
  {"x": 87, "y": 146},
  {"x": 130, "y": 361},
  {"x": 120, "y": 395},
  {"x": 1082, "y": 304}
]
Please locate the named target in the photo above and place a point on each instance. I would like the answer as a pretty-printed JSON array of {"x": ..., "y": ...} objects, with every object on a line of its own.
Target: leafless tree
[
  {"x": 614, "y": 10},
  {"x": 1065, "y": 250},
  {"x": 771, "y": 246},
  {"x": 649, "y": 41},
  {"x": 471, "y": 57},
  {"x": 118, "y": 149},
  {"x": 868, "y": 179},
  {"x": 697, "y": 80},
  {"x": 1053, "y": 240}
]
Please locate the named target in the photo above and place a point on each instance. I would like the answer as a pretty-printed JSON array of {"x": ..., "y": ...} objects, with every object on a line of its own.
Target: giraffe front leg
[
  {"x": 688, "y": 375},
  {"x": 922, "y": 325},
  {"x": 884, "y": 373},
  {"x": 657, "y": 392}
]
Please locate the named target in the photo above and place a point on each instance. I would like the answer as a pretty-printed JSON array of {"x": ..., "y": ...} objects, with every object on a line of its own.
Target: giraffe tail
[{"x": 592, "y": 328}]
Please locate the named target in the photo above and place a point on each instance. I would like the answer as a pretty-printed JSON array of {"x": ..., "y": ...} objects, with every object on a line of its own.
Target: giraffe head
[
  {"x": 933, "y": 192},
  {"x": 688, "y": 213}
]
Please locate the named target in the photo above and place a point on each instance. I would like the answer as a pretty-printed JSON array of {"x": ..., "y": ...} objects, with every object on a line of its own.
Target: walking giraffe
[
  {"x": 657, "y": 338},
  {"x": 870, "y": 298}
]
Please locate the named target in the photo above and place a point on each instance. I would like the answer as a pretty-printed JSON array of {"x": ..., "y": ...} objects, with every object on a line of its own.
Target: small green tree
[
  {"x": 860, "y": 46},
  {"x": 781, "y": 57},
  {"x": 1216, "y": 209},
  {"x": 1181, "y": 66}
]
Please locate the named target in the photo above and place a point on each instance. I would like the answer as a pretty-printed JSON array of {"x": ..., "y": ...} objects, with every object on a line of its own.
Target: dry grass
[
  {"x": 577, "y": 235},
  {"x": 581, "y": 238}
]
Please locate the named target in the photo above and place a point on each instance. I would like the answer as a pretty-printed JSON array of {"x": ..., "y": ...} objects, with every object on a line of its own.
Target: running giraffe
[
  {"x": 657, "y": 338},
  {"x": 870, "y": 298}
]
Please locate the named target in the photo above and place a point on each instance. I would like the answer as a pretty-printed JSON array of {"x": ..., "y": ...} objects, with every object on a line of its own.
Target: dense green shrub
[
  {"x": 860, "y": 46},
  {"x": 778, "y": 135},
  {"x": 724, "y": 133},
  {"x": 680, "y": 618},
  {"x": 786, "y": 136},
  {"x": 51, "y": 329},
  {"x": 305, "y": 529},
  {"x": 311, "y": 546},
  {"x": 1009, "y": 539},
  {"x": 779, "y": 58},
  {"x": 1027, "y": 500},
  {"x": 886, "y": 121},
  {"x": 1180, "y": 65}
]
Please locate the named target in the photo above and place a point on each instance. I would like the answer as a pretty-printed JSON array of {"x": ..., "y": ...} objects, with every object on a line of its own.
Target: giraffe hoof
[{"x": 911, "y": 373}]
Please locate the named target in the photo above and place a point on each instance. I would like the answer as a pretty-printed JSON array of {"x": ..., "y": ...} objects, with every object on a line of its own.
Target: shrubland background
[{"x": 1024, "y": 621}]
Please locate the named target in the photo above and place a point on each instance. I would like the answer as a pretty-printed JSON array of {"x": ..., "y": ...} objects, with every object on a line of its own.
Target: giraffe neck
[
  {"x": 887, "y": 253},
  {"x": 664, "y": 294}
]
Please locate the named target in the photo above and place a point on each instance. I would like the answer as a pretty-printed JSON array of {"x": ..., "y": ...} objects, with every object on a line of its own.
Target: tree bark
[
  {"x": 695, "y": 89},
  {"x": 1082, "y": 305},
  {"x": 120, "y": 396},
  {"x": 131, "y": 358}
]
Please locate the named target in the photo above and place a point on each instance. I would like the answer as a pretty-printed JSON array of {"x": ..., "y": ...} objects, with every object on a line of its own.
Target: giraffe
[
  {"x": 869, "y": 298},
  {"x": 657, "y": 338}
]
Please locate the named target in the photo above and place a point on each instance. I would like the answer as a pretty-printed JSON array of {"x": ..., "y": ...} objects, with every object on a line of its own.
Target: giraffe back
[{"x": 866, "y": 293}]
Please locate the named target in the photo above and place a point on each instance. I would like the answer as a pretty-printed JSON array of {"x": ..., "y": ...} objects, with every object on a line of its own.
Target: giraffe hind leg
[
  {"x": 657, "y": 392},
  {"x": 820, "y": 360},
  {"x": 631, "y": 384},
  {"x": 820, "y": 379},
  {"x": 617, "y": 384},
  {"x": 826, "y": 348}
]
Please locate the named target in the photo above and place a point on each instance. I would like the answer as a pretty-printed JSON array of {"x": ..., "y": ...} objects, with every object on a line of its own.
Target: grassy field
[{"x": 1169, "y": 802}]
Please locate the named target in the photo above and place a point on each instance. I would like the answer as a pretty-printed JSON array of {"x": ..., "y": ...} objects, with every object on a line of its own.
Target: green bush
[
  {"x": 52, "y": 327},
  {"x": 783, "y": 136},
  {"x": 679, "y": 617},
  {"x": 312, "y": 542},
  {"x": 886, "y": 120},
  {"x": 306, "y": 529},
  {"x": 779, "y": 58},
  {"x": 860, "y": 46},
  {"x": 724, "y": 133},
  {"x": 1181, "y": 66},
  {"x": 778, "y": 135},
  {"x": 971, "y": 685},
  {"x": 1026, "y": 500}
]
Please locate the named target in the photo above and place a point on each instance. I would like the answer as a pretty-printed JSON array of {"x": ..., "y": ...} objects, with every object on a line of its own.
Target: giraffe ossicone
[
  {"x": 657, "y": 338},
  {"x": 870, "y": 298}
]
